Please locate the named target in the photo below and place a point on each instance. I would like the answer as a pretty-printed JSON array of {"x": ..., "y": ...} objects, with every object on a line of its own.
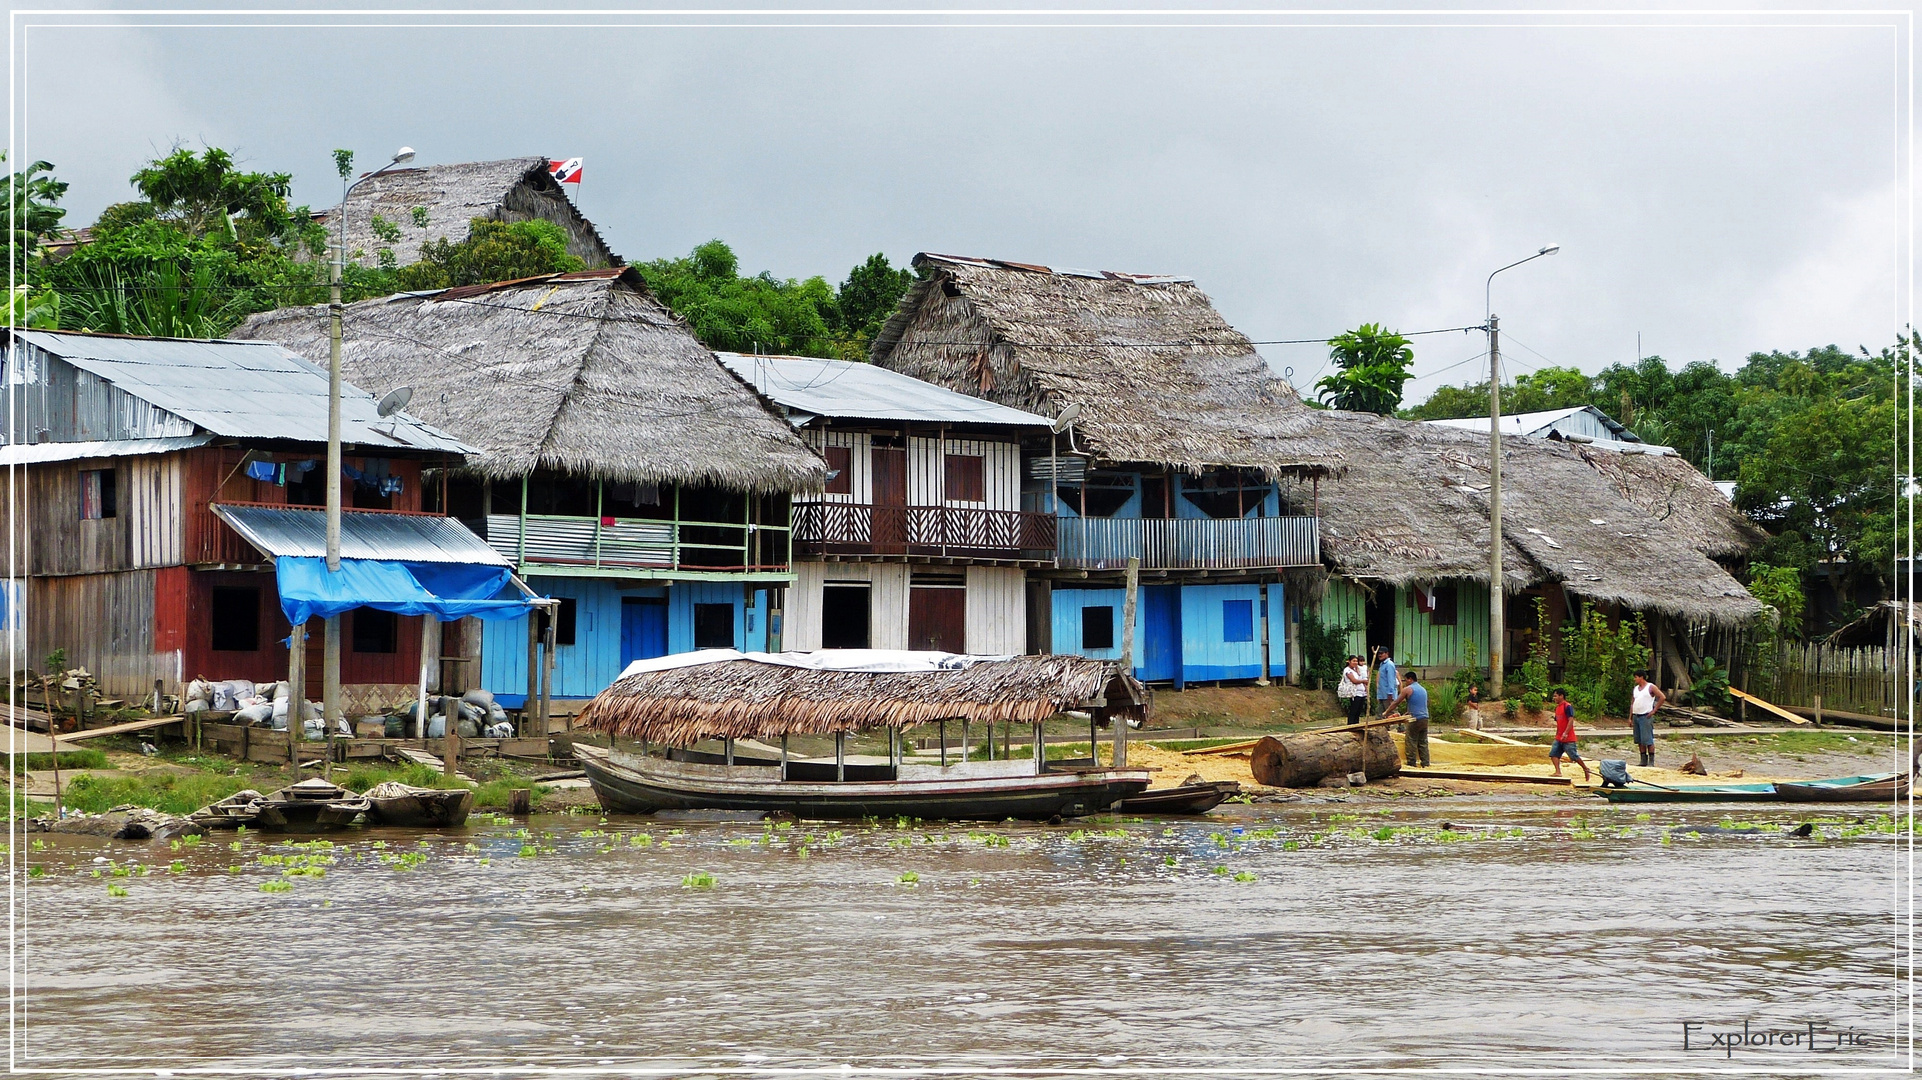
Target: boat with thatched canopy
[{"x": 668, "y": 705}]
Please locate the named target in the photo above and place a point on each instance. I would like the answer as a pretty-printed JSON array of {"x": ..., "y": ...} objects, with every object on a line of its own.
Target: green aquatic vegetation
[
  {"x": 115, "y": 890},
  {"x": 739, "y": 841},
  {"x": 528, "y": 851},
  {"x": 699, "y": 879},
  {"x": 1169, "y": 860},
  {"x": 176, "y": 867},
  {"x": 1269, "y": 833},
  {"x": 1344, "y": 817},
  {"x": 677, "y": 832},
  {"x": 1244, "y": 876},
  {"x": 1385, "y": 833},
  {"x": 1642, "y": 817},
  {"x": 276, "y": 886},
  {"x": 121, "y": 871},
  {"x": 901, "y": 842},
  {"x": 406, "y": 860},
  {"x": 1221, "y": 871},
  {"x": 1450, "y": 836},
  {"x": 39, "y": 845},
  {"x": 640, "y": 840},
  {"x": 35, "y": 871},
  {"x": 993, "y": 840},
  {"x": 599, "y": 832},
  {"x": 233, "y": 869},
  {"x": 909, "y": 878},
  {"x": 1291, "y": 845}
]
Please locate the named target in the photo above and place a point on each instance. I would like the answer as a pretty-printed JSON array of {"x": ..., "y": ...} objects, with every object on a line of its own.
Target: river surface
[{"x": 1534, "y": 934}]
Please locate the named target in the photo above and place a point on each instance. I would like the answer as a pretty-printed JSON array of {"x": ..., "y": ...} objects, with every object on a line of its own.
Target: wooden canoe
[
  {"x": 310, "y": 806},
  {"x": 395, "y": 803},
  {"x": 1849, "y": 789},
  {"x": 978, "y": 791},
  {"x": 1186, "y": 799}
]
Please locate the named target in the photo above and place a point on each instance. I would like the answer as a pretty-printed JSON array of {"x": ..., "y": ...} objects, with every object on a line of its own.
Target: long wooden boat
[
  {"x": 395, "y": 803},
  {"x": 1847, "y": 789},
  {"x": 1196, "y": 798},
  {"x": 240, "y": 808},
  {"x": 975, "y": 791},
  {"x": 310, "y": 806}
]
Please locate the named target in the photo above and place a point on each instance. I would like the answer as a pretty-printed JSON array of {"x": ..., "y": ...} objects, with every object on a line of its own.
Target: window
[
  {"x": 565, "y": 617},
  {"x": 97, "y": 501},
  {"x": 1444, "y": 613},
  {"x": 376, "y": 631},
  {"x": 1237, "y": 620},
  {"x": 966, "y": 478},
  {"x": 236, "y": 619},
  {"x": 841, "y": 467},
  {"x": 844, "y": 615},
  {"x": 306, "y": 486},
  {"x": 1097, "y": 627},
  {"x": 714, "y": 626}
]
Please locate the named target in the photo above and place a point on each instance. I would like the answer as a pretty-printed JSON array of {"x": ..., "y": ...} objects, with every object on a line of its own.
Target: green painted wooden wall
[
  {"x": 1420, "y": 643},
  {"x": 1345, "y": 602}
]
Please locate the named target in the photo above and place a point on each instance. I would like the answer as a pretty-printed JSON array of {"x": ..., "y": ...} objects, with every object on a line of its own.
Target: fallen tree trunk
[{"x": 1303, "y": 760}]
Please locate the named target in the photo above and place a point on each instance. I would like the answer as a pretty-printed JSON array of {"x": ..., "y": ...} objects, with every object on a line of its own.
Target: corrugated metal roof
[
  {"x": 847, "y": 390},
  {"x": 302, "y": 532},
  {"x": 38, "y": 453},
  {"x": 239, "y": 389}
]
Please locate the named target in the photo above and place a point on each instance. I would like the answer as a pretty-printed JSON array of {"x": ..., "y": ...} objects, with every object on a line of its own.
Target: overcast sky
[{"x": 1716, "y": 189}]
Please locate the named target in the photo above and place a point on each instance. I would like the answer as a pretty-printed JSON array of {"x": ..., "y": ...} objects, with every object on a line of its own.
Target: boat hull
[
  {"x": 429, "y": 809},
  {"x": 1186, "y": 799},
  {"x": 631, "y": 785},
  {"x": 1745, "y": 793},
  {"x": 1883, "y": 790}
]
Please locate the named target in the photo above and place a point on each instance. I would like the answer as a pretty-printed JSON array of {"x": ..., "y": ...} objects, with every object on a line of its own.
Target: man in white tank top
[{"x": 1644, "y": 699}]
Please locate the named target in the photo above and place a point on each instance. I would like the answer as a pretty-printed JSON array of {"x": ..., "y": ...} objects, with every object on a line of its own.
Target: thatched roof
[
  {"x": 582, "y": 372},
  {"x": 746, "y": 699},
  {"x": 1160, "y": 376},
  {"x": 1670, "y": 490},
  {"x": 1873, "y": 627},
  {"x": 514, "y": 189},
  {"x": 1412, "y": 507}
]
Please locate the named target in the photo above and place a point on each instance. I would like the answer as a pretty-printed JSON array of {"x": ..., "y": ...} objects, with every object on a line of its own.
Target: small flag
[
  {"x": 567, "y": 172},
  {"x": 1425, "y": 599}
]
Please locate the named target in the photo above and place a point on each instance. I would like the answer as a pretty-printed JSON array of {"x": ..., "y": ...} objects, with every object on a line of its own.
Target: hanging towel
[{"x": 267, "y": 471}]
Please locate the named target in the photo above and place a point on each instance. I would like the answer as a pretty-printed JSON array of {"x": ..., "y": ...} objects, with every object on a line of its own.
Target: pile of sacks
[
  {"x": 478, "y": 716},
  {"x": 264, "y": 705}
]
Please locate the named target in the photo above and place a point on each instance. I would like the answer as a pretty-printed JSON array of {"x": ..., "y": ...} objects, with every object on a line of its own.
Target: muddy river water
[{"x": 1533, "y": 933}]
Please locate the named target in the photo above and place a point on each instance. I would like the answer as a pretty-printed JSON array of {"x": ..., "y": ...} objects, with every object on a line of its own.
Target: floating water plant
[
  {"x": 1221, "y": 871},
  {"x": 1244, "y": 876},
  {"x": 699, "y": 879},
  {"x": 528, "y": 851},
  {"x": 1385, "y": 833},
  {"x": 640, "y": 840},
  {"x": 35, "y": 871},
  {"x": 1169, "y": 860},
  {"x": 909, "y": 878},
  {"x": 115, "y": 890},
  {"x": 276, "y": 886}
]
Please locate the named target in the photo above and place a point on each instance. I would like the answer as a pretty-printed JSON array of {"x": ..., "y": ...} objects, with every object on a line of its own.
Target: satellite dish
[
  {"x": 396, "y": 400},
  {"x": 1066, "y": 417}
]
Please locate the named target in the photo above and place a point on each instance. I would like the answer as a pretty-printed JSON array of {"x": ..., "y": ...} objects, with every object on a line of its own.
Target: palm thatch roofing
[
  {"x": 1412, "y": 507},
  {"x": 1880, "y": 626},
  {"x": 1160, "y": 376},
  {"x": 746, "y": 699},
  {"x": 513, "y": 189},
  {"x": 585, "y": 373}
]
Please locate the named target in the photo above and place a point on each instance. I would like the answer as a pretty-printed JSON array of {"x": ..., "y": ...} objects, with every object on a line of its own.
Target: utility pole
[
  {"x": 330, "y": 640},
  {"x": 1497, "y": 631}
]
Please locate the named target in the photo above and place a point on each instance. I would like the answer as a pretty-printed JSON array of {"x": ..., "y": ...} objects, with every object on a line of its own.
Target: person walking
[
  {"x": 1385, "y": 684},
  {"x": 1565, "y": 736},
  {"x": 1415, "y": 696},
  {"x": 1644, "y": 699},
  {"x": 1353, "y": 690}
]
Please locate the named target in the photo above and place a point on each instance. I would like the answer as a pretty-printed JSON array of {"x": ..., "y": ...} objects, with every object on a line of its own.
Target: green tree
[
  {"x": 1373, "y": 364},
  {"x": 493, "y": 251},
  {"x": 36, "y": 211},
  {"x": 864, "y": 303},
  {"x": 199, "y": 193},
  {"x": 744, "y": 314}
]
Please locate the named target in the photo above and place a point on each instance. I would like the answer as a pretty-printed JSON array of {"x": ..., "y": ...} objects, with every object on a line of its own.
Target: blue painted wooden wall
[{"x": 1205, "y": 653}]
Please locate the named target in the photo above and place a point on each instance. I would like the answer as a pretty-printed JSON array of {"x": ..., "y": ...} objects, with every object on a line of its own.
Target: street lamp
[
  {"x": 330, "y": 655},
  {"x": 1497, "y": 629}
]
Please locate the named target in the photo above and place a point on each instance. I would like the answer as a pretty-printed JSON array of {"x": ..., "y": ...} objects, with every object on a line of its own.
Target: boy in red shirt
[{"x": 1565, "y": 736}]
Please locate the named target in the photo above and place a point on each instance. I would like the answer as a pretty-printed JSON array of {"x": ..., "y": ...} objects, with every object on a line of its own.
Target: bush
[
  {"x": 1598, "y": 662},
  {"x": 1324, "y": 648}
]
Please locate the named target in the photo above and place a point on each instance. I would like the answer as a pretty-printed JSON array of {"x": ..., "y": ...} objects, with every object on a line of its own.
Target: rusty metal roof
[{"x": 301, "y": 532}]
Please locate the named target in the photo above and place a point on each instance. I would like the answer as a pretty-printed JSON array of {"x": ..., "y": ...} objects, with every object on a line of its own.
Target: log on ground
[{"x": 1302, "y": 760}]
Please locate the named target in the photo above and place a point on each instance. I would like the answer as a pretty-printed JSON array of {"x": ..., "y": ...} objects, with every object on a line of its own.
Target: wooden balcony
[
  {"x": 1189, "y": 543},
  {"x": 636, "y": 546},
  {"x": 859, "y": 529}
]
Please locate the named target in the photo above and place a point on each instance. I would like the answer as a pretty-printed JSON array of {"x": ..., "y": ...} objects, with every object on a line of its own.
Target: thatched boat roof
[
  {"x": 583, "y": 372},
  {"x": 513, "y": 189},
  {"x": 1161, "y": 377},
  {"x": 1412, "y": 507},
  {"x": 747, "y": 699}
]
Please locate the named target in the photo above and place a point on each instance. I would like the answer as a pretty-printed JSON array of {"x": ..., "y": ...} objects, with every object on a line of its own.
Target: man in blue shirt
[
  {"x": 1415, "y": 695},
  {"x": 1385, "y": 686}
]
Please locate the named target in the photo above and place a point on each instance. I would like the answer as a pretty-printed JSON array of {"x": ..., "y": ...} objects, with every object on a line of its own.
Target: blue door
[
  {"x": 1161, "y": 633},
  {"x": 643, "y": 628}
]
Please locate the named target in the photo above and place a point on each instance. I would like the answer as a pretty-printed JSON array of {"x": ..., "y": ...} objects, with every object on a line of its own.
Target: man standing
[
  {"x": 1565, "y": 736},
  {"x": 1413, "y": 693},
  {"x": 1644, "y": 699},
  {"x": 1385, "y": 685},
  {"x": 1353, "y": 690}
]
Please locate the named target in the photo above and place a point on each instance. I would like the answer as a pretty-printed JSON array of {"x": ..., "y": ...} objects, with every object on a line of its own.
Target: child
[{"x": 1565, "y": 736}]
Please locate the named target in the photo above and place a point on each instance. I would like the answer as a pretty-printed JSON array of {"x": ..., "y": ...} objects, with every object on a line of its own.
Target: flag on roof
[{"x": 567, "y": 172}]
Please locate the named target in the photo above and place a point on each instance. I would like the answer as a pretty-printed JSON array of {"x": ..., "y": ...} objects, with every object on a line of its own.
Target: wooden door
[
  {"x": 1161, "y": 629},
  {"x": 938, "y": 618},
  {"x": 888, "y": 483}
]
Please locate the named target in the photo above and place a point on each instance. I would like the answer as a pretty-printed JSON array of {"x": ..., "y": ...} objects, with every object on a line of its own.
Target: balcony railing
[
  {"x": 862, "y": 529},
  {"x": 637, "y": 544},
  {"x": 1189, "y": 543}
]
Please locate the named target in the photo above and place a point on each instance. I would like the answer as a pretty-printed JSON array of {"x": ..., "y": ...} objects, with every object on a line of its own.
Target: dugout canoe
[
  {"x": 1846, "y": 789},
  {"x": 1186, "y": 799},
  {"x": 976, "y": 791},
  {"x": 395, "y": 803}
]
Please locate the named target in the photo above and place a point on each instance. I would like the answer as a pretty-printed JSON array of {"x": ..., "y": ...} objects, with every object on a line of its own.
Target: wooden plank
[
  {"x": 1502, "y": 739},
  {"x": 1487, "y": 777},
  {"x": 121, "y": 729},
  {"x": 1777, "y": 710}
]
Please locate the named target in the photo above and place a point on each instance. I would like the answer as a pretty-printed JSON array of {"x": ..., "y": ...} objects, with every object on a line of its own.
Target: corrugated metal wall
[
  {"x": 997, "y": 610},
  {"x": 1420, "y": 643}
]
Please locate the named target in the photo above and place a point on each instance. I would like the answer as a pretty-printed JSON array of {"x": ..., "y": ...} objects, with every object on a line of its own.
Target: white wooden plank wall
[
  {"x": 858, "y": 444},
  {"x": 801, "y": 622},
  {"x": 997, "y": 610},
  {"x": 1001, "y": 472},
  {"x": 153, "y": 503},
  {"x": 888, "y": 617}
]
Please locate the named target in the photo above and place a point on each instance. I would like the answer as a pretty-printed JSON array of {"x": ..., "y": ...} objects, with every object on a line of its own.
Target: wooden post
[
  {"x": 450, "y": 744},
  {"x": 547, "y": 680},
  {"x": 727, "y": 750},
  {"x": 296, "y": 690},
  {"x": 944, "y": 742},
  {"x": 967, "y": 747},
  {"x": 330, "y": 709},
  {"x": 1128, "y": 617},
  {"x": 784, "y": 755},
  {"x": 1118, "y": 731},
  {"x": 530, "y": 710},
  {"x": 53, "y": 737},
  {"x": 1040, "y": 750},
  {"x": 1818, "y": 710},
  {"x": 840, "y": 750},
  {"x": 420, "y": 697}
]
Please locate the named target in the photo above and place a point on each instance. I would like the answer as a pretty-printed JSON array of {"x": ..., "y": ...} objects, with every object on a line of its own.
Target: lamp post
[
  {"x": 330, "y": 655},
  {"x": 1497, "y": 629}
]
